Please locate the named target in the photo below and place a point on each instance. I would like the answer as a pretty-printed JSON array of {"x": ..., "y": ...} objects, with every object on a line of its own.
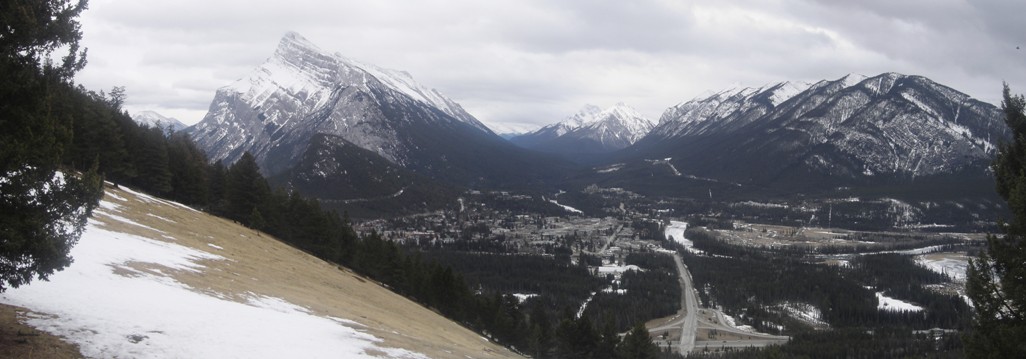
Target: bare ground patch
[{"x": 18, "y": 340}]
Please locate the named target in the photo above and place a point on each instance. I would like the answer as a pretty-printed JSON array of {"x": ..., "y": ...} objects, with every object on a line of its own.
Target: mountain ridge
[
  {"x": 889, "y": 136},
  {"x": 889, "y": 124}
]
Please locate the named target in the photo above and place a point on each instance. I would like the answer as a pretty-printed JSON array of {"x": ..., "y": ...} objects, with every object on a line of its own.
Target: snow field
[
  {"x": 521, "y": 297},
  {"x": 895, "y": 305},
  {"x": 953, "y": 267},
  {"x": 565, "y": 207},
  {"x": 110, "y": 309},
  {"x": 119, "y": 299}
]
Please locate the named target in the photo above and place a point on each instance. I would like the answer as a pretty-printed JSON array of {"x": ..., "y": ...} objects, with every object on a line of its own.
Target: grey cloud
[{"x": 534, "y": 62}]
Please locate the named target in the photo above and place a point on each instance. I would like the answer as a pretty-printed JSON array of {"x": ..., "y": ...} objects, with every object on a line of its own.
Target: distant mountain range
[
  {"x": 589, "y": 131},
  {"x": 153, "y": 119},
  {"x": 906, "y": 133},
  {"x": 349, "y": 132}
]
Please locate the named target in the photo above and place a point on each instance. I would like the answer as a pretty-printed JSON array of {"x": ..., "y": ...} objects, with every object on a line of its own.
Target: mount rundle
[{"x": 303, "y": 96}]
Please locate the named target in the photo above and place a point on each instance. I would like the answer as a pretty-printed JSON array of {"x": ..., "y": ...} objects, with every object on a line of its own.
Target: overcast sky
[{"x": 520, "y": 64}]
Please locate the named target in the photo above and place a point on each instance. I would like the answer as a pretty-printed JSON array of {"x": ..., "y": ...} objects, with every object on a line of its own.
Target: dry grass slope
[{"x": 259, "y": 265}]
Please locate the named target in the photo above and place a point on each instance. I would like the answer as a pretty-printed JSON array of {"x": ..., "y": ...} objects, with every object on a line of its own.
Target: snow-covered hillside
[{"x": 155, "y": 279}]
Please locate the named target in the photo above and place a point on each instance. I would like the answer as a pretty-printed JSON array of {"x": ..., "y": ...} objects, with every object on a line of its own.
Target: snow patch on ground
[
  {"x": 160, "y": 218},
  {"x": 731, "y": 322},
  {"x": 610, "y": 168},
  {"x": 914, "y": 251},
  {"x": 521, "y": 297},
  {"x": 952, "y": 267},
  {"x": 584, "y": 305},
  {"x": 114, "y": 196},
  {"x": 126, "y": 220},
  {"x": 565, "y": 207},
  {"x": 147, "y": 315},
  {"x": 803, "y": 311},
  {"x": 618, "y": 269},
  {"x": 110, "y": 206},
  {"x": 895, "y": 305}
]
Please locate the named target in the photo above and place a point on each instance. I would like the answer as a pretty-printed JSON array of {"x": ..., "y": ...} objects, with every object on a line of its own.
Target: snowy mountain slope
[
  {"x": 303, "y": 91},
  {"x": 591, "y": 130},
  {"x": 153, "y": 119},
  {"x": 155, "y": 279},
  {"x": 885, "y": 128}
]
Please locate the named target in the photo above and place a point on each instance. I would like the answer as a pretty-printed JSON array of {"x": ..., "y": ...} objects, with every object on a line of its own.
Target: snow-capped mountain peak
[
  {"x": 588, "y": 114},
  {"x": 590, "y": 130},
  {"x": 621, "y": 110},
  {"x": 301, "y": 90},
  {"x": 154, "y": 119},
  {"x": 302, "y": 93},
  {"x": 306, "y": 71}
]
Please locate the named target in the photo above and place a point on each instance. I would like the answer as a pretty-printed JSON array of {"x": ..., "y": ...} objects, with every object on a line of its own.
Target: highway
[
  {"x": 687, "y": 320},
  {"x": 689, "y": 301}
]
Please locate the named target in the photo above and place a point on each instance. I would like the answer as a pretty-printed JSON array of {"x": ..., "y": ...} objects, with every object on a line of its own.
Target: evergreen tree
[
  {"x": 188, "y": 167},
  {"x": 217, "y": 187},
  {"x": 996, "y": 281},
  {"x": 246, "y": 188},
  {"x": 607, "y": 344},
  {"x": 541, "y": 332},
  {"x": 638, "y": 345},
  {"x": 42, "y": 211},
  {"x": 256, "y": 220},
  {"x": 97, "y": 135},
  {"x": 152, "y": 162},
  {"x": 576, "y": 338}
]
